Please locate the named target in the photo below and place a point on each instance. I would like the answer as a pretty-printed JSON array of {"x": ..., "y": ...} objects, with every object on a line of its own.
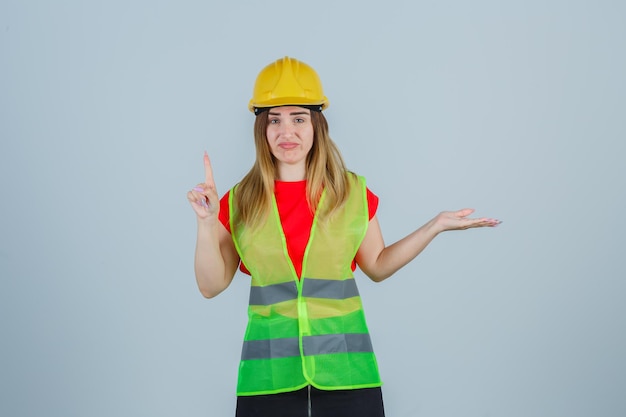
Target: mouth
[{"x": 287, "y": 145}]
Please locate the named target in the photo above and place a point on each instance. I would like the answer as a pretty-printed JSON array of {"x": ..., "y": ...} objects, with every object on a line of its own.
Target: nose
[{"x": 286, "y": 129}]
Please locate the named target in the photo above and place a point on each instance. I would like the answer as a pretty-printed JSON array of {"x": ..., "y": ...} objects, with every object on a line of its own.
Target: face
[{"x": 290, "y": 134}]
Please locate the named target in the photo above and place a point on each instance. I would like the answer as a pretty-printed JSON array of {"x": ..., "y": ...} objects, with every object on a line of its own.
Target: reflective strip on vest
[
  {"x": 272, "y": 294},
  {"x": 270, "y": 348},
  {"x": 330, "y": 288},
  {"x": 314, "y": 288},
  {"x": 312, "y": 345}
]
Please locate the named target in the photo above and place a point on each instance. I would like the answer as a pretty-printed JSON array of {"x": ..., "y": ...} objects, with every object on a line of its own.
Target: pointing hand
[{"x": 203, "y": 197}]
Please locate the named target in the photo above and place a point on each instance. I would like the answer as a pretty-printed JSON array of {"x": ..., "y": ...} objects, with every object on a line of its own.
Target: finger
[
  {"x": 486, "y": 222},
  {"x": 201, "y": 210},
  {"x": 194, "y": 196},
  {"x": 207, "y": 191},
  {"x": 464, "y": 212},
  {"x": 208, "y": 171},
  {"x": 194, "y": 199},
  {"x": 199, "y": 196}
]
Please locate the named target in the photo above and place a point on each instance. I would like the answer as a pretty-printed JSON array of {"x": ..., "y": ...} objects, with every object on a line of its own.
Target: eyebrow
[{"x": 295, "y": 113}]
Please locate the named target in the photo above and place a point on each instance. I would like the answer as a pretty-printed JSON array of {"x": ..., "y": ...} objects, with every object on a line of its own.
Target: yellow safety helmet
[{"x": 287, "y": 82}]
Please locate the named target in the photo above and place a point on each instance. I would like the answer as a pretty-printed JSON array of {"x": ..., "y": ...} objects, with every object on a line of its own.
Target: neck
[{"x": 291, "y": 172}]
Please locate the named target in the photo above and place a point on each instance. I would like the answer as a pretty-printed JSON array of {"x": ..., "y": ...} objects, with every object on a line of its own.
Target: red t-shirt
[{"x": 295, "y": 217}]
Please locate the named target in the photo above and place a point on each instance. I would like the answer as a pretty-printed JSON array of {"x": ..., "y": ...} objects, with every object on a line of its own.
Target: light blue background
[{"x": 514, "y": 108}]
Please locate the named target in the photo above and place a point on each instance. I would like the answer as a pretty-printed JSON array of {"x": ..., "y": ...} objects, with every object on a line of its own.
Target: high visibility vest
[{"x": 310, "y": 330}]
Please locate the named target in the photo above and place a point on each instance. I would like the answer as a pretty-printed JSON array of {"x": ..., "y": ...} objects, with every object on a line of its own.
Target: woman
[{"x": 299, "y": 223}]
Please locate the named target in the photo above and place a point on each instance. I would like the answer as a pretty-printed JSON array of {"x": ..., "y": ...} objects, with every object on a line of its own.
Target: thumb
[{"x": 464, "y": 212}]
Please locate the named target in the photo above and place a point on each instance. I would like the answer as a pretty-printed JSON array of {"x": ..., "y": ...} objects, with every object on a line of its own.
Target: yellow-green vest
[{"x": 310, "y": 330}]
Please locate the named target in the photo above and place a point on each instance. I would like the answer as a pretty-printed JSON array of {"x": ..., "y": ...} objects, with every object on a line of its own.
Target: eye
[
  {"x": 300, "y": 120},
  {"x": 273, "y": 121}
]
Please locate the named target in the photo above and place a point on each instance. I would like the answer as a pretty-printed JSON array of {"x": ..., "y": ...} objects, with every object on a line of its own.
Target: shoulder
[
  {"x": 371, "y": 198},
  {"x": 354, "y": 178}
]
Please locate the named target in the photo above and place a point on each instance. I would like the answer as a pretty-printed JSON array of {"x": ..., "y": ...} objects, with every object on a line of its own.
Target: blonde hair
[{"x": 325, "y": 170}]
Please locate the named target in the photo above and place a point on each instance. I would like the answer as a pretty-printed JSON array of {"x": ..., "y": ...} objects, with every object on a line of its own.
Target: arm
[
  {"x": 216, "y": 259},
  {"x": 379, "y": 262}
]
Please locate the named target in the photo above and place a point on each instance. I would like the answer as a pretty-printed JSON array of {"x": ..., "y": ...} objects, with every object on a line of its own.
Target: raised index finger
[{"x": 208, "y": 171}]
